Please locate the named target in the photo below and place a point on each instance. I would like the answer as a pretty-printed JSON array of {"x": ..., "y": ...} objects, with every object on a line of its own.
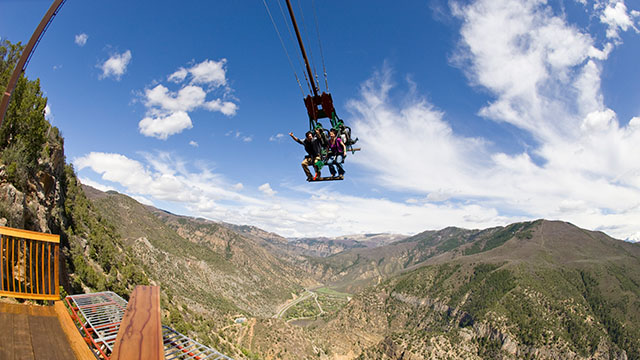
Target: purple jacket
[{"x": 336, "y": 148}]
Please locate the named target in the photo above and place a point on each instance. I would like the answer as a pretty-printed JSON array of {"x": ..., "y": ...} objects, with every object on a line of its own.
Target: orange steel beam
[{"x": 26, "y": 55}]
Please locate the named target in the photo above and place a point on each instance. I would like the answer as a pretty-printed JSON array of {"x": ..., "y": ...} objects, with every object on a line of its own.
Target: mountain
[
  {"x": 546, "y": 290},
  {"x": 357, "y": 268},
  {"x": 323, "y": 246},
  {"x": 208, "y": 270}
]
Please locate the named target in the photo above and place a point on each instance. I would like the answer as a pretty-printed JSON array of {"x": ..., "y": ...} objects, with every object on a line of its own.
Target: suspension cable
[
  {"x": 306, "y": 33},
  {"x": 286, "y": 22},
  {"x": 284, "y": 47},
  {"x": 324, "y": 68}
]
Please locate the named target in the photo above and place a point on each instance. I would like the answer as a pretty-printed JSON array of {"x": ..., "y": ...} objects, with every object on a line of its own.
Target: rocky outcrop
[{"x": 39, "y": 206}]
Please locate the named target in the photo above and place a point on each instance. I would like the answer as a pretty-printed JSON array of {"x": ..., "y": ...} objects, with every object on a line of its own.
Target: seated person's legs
[{"x": 305, "y": 166}]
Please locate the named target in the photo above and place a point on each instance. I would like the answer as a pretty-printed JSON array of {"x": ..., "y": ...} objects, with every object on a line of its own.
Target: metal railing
[
  {"x": 29, "y": 264},
  {"x": 99, "y": 315}
]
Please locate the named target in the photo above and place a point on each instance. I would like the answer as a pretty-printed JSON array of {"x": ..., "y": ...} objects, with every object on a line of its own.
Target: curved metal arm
[{"x": 26, "y": 55}]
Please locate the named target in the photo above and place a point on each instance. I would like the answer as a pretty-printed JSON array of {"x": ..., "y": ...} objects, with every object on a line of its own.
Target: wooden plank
[
  {"x": 2, "y": 272},
  {"x": 140, "y": 334},
  {"x": 26, "y": 234},
  {"x": 59, "y": 339},
  {"x": 43, "y": 346},
  {"x": 21, "y": 264},
  {"x": 8, "y": 308},
  {"x": 42, "y": 265},
  {"x": 46, "y": 311},
  {"x": 11, "y": 260},
  {"x": 6, "y": 340},
  {"x": 18, "y": 295},
  {"x": 31, "y": 266},
  {"x": 56, "y": 264},
  {"x": 75, "y": 340},
  {"x": 22, "y": 348},
  {"x": 49, "y": 341}
]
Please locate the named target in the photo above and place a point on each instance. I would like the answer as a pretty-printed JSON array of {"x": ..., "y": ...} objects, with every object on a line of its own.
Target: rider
[
  {"x": 337, "y": 152},
  {"x": 313, "y": 148}
]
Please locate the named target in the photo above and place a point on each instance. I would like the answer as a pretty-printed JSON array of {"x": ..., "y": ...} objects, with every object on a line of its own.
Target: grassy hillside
[
  {"x": 357, "y": 268},
  {"x": 210, "y": 273},
  {"x": 556, "y": 291}
]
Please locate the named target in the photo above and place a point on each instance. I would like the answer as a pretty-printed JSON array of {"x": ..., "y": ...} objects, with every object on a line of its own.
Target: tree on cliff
[{"x": 24, "y": 129}]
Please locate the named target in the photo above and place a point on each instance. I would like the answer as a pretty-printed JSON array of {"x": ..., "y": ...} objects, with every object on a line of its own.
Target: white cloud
[
  {"x": 634, "y": 238},
  {"x": 239, "y": 135},
  {"x": 47, "y": 113},
  {"x": 266, "y": 189},
  {"x": 226, "y": 107},
  {"x": 209, "y": 72},
  {"x": 186, "y": 99},
  {"x": 178, "y": 76},
  {"x": 276, "y": 137},
  {"x": 96, "y": 185},
  {"x": 615, "y": 16},
  {"x": 163, "y": 127},
  {"x": 116, "y": 65},
  {"x": 143, "y": 200},
  {"x": 162, "y": 177},
  {"x": 81, "y": 39},
  {"x": 193, "y": 143},
  {"x": 168, "y": 110}
]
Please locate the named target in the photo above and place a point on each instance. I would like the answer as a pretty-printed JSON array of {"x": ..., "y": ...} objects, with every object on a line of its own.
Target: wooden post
[{"x": 140, "y": 334}]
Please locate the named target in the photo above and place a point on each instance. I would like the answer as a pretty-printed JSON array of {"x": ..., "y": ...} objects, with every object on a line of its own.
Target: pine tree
[{"x": 23, "y": 131}]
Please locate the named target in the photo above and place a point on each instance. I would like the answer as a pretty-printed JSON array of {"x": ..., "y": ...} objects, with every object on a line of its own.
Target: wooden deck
[{"x": 36, "y": 332}]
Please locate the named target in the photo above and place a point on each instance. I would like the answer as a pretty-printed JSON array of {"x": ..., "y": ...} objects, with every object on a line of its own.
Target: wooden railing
[{"x": 29, "y": 264}]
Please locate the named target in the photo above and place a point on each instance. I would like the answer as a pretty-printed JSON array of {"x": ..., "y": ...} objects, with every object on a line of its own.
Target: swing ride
[{"x": 318, "y": 105}]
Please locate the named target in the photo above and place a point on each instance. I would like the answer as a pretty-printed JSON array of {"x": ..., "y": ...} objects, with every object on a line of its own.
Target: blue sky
[{"x": 469, "y": 113}]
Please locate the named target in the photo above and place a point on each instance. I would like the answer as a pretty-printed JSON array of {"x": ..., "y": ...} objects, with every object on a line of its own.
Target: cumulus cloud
[
  {"x": 193, "y": 143},
  {"x": 617, "y": 19},
  {"x": 178, "y": 76},
  {"x": 115, "y": 66},
  {"x": 226, "y": 107},
  {"x": 167, "y": 111},
  {"x": 266, "y": 189},
  {"x": 209, "y": 72},
  {"x": 81, "y": 39},
  {"x": 163, "y": 127},
  {"x": 161, "y": 176}
]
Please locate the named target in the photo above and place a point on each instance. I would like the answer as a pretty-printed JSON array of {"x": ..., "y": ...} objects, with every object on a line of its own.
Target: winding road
[{"x": 283, "y": 309}]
